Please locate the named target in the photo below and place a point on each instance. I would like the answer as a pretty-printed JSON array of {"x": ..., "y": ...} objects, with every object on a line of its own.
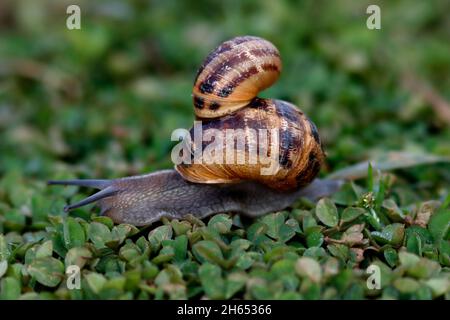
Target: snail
[{"x": 225, "y": 98}]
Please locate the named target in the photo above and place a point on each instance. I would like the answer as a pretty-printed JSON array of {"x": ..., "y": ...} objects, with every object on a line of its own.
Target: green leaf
[
  {"x": 408, "y": 260},
  {"x": 439, "y": 225},
  {"x": 314, "y": 239},
  {"x": 424, "y": 269},
  {"x": 220, "y": 223},
  {"x": 95, "y": 282},
  {"x": 129, "y": 251},
  {"x": 256, "y": 232},
  {"x": 122, "y": 231},
  {"x": 47, "y": 271},
  {"x": 274, "y": 221},
  {"x": 159, "y": 234},
  {"x": 439, "y": 285},
  {"x": 180, "y": 247},
  {"x": 180, "y": 227},
  {"x": 391, "y": 256},
  {"x": 74, "y": 235},
  {"x": 3, "y": 267},
  {"x": 78, "y": 256},
  {"x": 351, "y": 213},
  {"x": 45, "y": 250},
  {"x": 309, "y": 268},
  {"x": 234, "y": 283},
  {"x": 414, "y": 244},
  {"x": 327, "y": 212},
  {"x": 211, "y": 278},
  {"x": 406, "y": 285},
  {"x": 99, "y": 234},
  {"x": 107, "y": 221},
  {"x": 393, "y": 211},
  {"x": 392, "y": 234},
  {"x": 9, "y": 289},
  {"x": 4, "y": 251},
  {"x": 207, "y": 251}
]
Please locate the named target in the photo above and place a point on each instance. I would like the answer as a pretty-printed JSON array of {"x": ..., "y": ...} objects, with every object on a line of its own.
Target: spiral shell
[
  {"x": 233, "y": 74},
  {"x": 271, "y": 141},
  {"x": 299, "y": 151}
]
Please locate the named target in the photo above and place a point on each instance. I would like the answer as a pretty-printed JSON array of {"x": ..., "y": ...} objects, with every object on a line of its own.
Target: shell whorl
[
  {"x": 233, "y": 74},
  {"x": 299, "y": 150}
]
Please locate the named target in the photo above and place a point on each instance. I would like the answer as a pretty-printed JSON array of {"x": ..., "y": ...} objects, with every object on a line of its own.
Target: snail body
[{"x": 225, "y": 98}]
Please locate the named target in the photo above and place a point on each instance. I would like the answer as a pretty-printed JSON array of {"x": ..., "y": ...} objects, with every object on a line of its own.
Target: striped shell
[
  {"x": 233, "y": 74},
  {"x": 299, "y": 151}
]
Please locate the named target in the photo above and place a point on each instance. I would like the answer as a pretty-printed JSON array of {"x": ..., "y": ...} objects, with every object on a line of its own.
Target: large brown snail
[{"x": 225, "y": 99}]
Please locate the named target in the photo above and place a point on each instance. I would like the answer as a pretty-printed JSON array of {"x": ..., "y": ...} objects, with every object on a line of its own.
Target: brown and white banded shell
[
  {"x": 299, "y": 150},
  {"x": 233, "y": 74}
]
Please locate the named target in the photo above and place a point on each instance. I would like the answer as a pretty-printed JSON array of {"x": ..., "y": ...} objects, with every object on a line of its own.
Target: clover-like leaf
[
  {"x": 309, "y": 268},
  {"x": 99, "y": 234},
  {"x": 74, "y": 235},
  {"x": 220, "y": 223},
  {"x": 392, "y": 234},
  {"x": 207, "y": 251},
  {"x": 327, "y": 213},
  {"x": 211, "y": 278},
  {"x": 47, "y": 271},
  {"x": 158, "y": 235}
]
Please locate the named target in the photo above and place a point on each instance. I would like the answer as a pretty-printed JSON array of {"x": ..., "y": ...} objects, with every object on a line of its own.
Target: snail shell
[
  {"x": 298, "y": 147},
  {"x": 225, "y": 97},
  {"x": 233, "y": 74}
]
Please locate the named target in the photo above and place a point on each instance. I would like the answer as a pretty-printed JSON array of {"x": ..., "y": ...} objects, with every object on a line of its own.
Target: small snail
[{"x": 225, "y": 97}]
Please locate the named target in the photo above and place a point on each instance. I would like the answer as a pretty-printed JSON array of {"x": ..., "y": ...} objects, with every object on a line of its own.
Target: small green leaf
[
  {"x": 414, "y": 244},
  {"x": 159, "y": 234},
  {"x": 314, "y": 239},
  {"x": 273, "y": 221},
  {"x": 439, "y": 285},
  {"x": 327, "y": 212},
  {"x": 4, "y": 251},
  {"x": 47, "y": 271},
  {"x": 180, "y": 227},
  {"x": 309, "y": 268},
  {"x": 107, "y": 221},
  {"x": 393, "y": 211},
  {"x": 9, "y": 288},
  {"x": 220, "y": 223},
  {"x": 212, "y": 281},
  {"x": 180, "y": 247},
  {"x": 439, "y": 225},
  {"x": 424, "y": 269},
  {"x": 234, "y": 283},
  {"x": 95, "y": 281},
  {"x": 3, "y": 267},
  {"x": 407, "y": 259},
  {"x": 391, "y": 256},
  {"x": 73, "y": 232},
  {"x": 78, "y": 256},
  {"x": 209, "y": 251},
  {"x": 392, "y": 234},
  {"x": 45, "y": 250},
  {"x": 99, "y": 234},
  {"x": 406, "y": 285},
  {"x": 351, "y": 213}
]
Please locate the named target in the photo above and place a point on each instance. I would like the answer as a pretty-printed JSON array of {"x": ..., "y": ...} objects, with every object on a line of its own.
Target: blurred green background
[{"x": 102, "y": 101}]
